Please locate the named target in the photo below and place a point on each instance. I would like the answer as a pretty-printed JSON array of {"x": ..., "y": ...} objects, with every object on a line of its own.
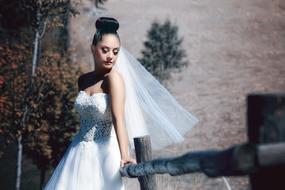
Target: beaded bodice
[{"x": 95, "y": 116}]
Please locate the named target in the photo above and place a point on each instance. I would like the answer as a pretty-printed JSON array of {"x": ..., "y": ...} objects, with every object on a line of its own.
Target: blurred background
[{"x": 220, "y": 51}]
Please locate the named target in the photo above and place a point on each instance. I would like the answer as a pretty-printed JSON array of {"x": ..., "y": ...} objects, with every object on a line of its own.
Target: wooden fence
[{"x": 262, "y": 158}]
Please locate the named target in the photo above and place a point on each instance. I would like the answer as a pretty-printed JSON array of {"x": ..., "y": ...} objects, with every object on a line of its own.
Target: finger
[
  {"x": 122, "y": 163},
  {"x": 132, "y": 161}
]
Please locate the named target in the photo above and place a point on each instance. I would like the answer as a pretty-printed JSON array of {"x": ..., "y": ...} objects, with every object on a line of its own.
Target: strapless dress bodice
[
  {"x": 92, "y": 160},
  {"x": 95, "y": 116}
]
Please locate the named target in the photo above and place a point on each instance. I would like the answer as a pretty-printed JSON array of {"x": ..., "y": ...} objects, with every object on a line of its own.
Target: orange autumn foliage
[{"x": 51, "y": 122}]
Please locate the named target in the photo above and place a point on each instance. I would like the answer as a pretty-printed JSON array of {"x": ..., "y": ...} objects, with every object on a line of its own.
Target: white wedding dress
[{"x": 92, "y": 160}]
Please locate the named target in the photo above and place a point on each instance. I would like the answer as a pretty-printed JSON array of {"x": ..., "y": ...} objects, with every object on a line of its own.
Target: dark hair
[{"x": 105, "y": 25}]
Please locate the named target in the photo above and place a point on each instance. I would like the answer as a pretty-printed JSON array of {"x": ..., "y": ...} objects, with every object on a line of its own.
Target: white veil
[{"x": 149, "y": 108}]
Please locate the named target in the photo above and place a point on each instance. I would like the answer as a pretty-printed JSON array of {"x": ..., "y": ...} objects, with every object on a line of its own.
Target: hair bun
[{"x": 107, "y": 24}]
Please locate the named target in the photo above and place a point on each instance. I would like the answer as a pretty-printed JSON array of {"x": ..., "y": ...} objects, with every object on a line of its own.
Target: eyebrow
[{"x": 109, "y": 47}]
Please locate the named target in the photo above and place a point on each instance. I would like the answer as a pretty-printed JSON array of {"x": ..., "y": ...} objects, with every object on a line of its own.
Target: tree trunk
[
  {"x": 19, "y": 162},
  {"x": 19, "y": 139},
  {"x": 35, "y": 53}
]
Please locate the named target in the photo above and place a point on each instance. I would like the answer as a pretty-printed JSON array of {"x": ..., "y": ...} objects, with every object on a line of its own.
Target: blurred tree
[
  {"x": 38, "y": 12},
  {"x": 12, "y": 15},
  {"x": 162, "y": 52},
  {"x": 97, "y": 2},
  {"x": 13, "y": 81},
  {"x": 14, "y": 65},
  {"x": 52, "y": 121}
]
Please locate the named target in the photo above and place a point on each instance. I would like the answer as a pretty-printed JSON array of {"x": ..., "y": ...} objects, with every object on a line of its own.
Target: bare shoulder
[
  {"x": 114, "y": 75},
  {"x": 115, "y": 80}
]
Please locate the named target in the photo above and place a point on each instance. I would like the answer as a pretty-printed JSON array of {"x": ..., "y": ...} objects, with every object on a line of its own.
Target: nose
[{"x": 110, "y": 56}]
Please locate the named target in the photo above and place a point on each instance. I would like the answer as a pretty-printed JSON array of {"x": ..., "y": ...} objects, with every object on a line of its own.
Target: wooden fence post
[
  {"x": 263, "y": 157},
  {"x": 144, "y": 153},
  {"x": 266, "y": 124}
]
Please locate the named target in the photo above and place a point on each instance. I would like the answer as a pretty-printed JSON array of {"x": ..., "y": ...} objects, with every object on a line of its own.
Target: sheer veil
[{"x": 149, "y": 108}]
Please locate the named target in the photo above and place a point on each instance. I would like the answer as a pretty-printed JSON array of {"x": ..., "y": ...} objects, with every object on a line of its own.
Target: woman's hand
[{"x": 127, "y": 160}]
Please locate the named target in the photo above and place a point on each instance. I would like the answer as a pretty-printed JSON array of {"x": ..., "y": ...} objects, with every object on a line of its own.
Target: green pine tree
[{"x": 163, "y": 53}]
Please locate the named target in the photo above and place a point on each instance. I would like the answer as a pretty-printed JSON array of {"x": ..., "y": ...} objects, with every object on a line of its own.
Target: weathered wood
[
  {"x": 234, "y": 161},
  {"x": 263, "y": 157},
  {"x": 266, "y": 124},
  {"x": 143, "y": 153},
  {"x": 271, "y": 155}
]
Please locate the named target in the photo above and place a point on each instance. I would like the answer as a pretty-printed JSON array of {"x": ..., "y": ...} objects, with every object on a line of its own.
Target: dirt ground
[{"x": 234, "y": 48}]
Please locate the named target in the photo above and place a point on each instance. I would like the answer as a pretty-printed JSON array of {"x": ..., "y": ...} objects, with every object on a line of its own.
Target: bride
[{"x": 116, "y": 102}]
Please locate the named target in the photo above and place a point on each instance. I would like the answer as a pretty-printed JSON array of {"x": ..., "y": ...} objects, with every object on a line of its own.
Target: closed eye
[
  {"x": 116, "y": 51},
  {"x": 105, "y": 50}
]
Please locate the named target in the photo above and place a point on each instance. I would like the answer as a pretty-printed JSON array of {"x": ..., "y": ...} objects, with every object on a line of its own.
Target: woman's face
[{"x": 106, "y": 51}]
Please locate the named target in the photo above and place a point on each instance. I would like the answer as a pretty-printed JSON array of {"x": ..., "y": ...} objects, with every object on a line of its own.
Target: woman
[
  {"x": 94, "y": 157},
  {"x": 116, "y": 102}
]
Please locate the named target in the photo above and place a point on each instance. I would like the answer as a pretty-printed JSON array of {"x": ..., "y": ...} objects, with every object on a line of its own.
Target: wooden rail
[
  {"x": 262, "y": 157},
  {"x": 234, "y": 161}
]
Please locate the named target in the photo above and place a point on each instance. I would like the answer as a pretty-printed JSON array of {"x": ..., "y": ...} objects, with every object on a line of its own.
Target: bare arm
[{"x": 117, "y": 93}]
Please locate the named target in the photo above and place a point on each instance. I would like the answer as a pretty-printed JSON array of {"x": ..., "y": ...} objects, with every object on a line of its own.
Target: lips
[{"x": 108, "y": 62}]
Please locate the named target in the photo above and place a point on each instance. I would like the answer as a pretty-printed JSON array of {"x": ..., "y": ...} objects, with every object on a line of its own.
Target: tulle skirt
[{"x": 88, "y": 165}]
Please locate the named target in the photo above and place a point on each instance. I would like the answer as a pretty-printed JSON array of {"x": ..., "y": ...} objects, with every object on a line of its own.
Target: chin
[{"x": 108, "y": 65}]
